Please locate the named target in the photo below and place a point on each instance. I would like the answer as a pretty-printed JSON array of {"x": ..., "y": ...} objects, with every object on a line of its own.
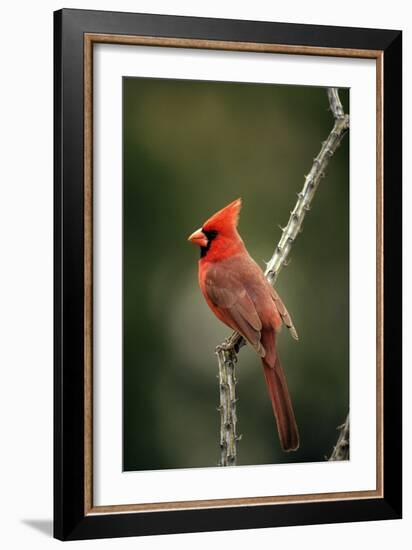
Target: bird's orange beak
[{"x": 199, "y": 238}]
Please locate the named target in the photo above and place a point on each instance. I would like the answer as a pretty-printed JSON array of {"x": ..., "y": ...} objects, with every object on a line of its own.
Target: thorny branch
[
  {"x": 341, "y": 449},
  {"x": 227, "y": 352}
]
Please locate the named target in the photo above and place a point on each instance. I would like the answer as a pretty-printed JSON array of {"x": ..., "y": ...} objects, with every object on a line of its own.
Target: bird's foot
[{"x": 227, "y": 345}]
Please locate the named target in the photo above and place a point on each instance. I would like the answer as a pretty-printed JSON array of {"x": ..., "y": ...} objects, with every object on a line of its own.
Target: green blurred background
[{"x": 191, "y": 147}]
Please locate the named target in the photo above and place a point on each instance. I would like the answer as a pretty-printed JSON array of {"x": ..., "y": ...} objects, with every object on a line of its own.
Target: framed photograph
[{"x": 227, "y": 274}]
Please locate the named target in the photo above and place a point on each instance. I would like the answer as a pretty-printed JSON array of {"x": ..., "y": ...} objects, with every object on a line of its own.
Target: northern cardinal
[{"x": 238, "y": 293}]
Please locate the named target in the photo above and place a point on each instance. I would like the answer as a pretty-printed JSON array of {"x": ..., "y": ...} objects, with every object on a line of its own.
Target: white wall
[{"x": 26, "y": 143}]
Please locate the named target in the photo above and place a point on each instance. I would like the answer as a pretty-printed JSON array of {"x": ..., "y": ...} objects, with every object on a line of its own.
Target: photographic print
[
  {"x": 226, "y": 355},
  {"x": 238, "y": 170}
]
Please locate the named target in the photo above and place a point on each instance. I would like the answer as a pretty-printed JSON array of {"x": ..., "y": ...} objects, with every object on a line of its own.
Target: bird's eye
[{"x": 210, "y": 234}]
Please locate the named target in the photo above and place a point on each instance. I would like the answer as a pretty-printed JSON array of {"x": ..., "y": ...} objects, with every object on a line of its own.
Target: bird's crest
[{"x": 225, "y": 219}]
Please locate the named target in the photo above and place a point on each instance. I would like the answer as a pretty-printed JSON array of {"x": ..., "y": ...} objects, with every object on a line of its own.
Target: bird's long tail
[{"x": 282, "y": 405}]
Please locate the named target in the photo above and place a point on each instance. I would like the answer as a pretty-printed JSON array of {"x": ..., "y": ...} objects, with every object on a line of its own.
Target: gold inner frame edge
[{"x": 89, "y": 40}]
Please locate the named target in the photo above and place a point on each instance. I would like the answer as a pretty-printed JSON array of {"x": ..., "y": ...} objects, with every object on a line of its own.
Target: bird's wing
[
  {"x": 227, "y": 293},
  {"x": 284, "y": 314}
]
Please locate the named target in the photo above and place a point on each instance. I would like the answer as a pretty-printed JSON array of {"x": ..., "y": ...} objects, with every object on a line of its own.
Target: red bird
[{"x": 238, "y": 293}]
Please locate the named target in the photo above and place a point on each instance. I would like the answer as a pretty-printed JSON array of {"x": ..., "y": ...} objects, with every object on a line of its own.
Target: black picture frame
[{"x": 71, "y": 521}]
